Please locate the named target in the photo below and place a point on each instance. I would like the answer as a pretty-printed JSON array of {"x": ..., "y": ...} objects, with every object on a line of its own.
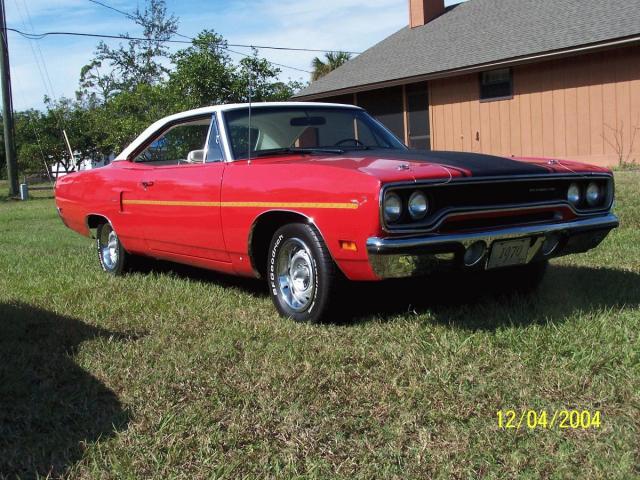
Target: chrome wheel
[
  {"x": 109, "y": 247},
  {"x": 296, "y": 275}
]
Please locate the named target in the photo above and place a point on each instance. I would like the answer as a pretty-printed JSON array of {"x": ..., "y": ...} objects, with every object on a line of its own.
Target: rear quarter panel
[{"x": 98, "y": 192}]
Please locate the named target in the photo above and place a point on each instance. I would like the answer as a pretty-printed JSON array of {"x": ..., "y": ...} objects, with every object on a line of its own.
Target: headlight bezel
[
  {"x": 419, "y": 215},
  {"x": 388, "y": 219},
  {"x": 587, "y": 204},
  {"x": 599, "y": 195},
  {"x": 577, "y": 197}
]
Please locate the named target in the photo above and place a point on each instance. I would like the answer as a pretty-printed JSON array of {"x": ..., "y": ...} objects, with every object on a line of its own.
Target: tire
[
  {"x": 111, "y": 254},
  {"x": 523, "y": 279},
  {"x": 301, "y": 274}
]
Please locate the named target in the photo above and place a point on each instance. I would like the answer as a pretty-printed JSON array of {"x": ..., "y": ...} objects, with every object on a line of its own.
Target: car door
[{"x": 177, "y": 197}]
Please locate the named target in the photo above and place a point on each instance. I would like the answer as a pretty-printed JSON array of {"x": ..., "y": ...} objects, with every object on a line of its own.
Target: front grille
[
  {"x": 471, "y": 195},
  {"x": 482, "y": 223},
  {"x": 498, "y": 194}
]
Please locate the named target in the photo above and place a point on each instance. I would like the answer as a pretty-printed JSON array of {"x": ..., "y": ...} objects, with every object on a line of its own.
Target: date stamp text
[{"x": 548, "y": 420}]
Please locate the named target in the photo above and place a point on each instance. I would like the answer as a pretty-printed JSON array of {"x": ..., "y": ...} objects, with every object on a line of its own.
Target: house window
[
  {"x": 419, "y": 134},
  {"x": 385, "y": 105},
  {"x": 496, "y": 84}
]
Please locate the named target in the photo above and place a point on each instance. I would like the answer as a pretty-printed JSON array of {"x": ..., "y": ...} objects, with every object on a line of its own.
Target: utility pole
[{"x": 7, "y": 106}]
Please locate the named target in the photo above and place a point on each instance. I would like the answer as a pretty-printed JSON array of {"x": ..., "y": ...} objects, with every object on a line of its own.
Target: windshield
[{"x": 306, "y": 129}]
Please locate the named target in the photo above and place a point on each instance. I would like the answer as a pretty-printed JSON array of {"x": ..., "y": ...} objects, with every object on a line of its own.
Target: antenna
[
  {"x": 249, "y": 132},
  {"x": 66, "y": 140}
]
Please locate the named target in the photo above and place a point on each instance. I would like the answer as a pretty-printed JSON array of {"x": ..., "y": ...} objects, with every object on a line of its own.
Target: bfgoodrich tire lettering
[{"x": 301, "y": 273}]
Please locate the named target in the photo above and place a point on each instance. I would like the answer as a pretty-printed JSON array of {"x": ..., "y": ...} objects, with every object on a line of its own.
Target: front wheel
[
  {"x": 112, "y": 256},
  {"x": 301, "y": 273}
]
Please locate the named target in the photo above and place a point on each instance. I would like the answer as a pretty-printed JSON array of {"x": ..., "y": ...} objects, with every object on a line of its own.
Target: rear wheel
[
  {"x": 301, "y": 274},
  {"x": 112, "y": 256}
]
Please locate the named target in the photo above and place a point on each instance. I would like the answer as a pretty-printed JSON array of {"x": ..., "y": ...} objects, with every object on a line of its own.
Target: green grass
[
  {"x": 34, "y": 194},
  {"x": 174, "y": 372}
]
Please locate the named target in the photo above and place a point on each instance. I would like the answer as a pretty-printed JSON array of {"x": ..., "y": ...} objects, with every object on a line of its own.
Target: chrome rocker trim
[{"x": 397, "y": 257}]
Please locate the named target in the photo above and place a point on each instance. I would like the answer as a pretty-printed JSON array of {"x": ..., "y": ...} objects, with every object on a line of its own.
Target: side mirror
[{"x": 196, "y": 156}]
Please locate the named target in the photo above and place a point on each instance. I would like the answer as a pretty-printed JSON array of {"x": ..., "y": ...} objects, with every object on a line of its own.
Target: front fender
[{"x": 342, "y": 205}]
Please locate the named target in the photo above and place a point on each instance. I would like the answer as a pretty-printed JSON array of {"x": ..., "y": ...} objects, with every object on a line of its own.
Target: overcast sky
[{"x": 351, "y": 25}]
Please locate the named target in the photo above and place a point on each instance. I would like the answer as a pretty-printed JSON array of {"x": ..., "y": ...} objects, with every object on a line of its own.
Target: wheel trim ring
[{"x": 296, "y": 275}]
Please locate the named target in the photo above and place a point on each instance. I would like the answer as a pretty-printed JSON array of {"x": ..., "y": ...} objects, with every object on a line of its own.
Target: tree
[
  {"x": 205, "y": 74},
  {"x": 96, "y": 87},
  {"x": 31, "y": 141},
  {"x": 39, "y": 141},
  {"x": 137, "y": 62},
  {"x": 122, "y": 91},
  {"x": 618, "y": 144},
  {"x": 202, "y": 74},
  {"x": 119, "y": 121},
  {"x": 332, "y": 61},
  {"x": 261, "y": 76}
]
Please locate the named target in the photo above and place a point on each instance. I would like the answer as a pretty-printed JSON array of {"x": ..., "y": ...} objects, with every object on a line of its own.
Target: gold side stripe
[
  {"x": 170, "y": 203},
  {"x": 291, "y": 205},
  {"x": 174, "y": 203}
]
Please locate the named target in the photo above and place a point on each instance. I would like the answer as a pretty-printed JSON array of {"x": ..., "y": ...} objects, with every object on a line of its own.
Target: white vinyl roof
[{"x": 160, "y": 124}]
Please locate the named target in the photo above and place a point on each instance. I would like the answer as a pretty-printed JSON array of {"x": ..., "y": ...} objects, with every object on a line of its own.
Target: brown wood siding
[{"x": 571, "y": 108}]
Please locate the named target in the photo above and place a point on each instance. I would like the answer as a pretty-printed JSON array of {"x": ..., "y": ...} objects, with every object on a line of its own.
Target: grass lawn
[{"x": 174, "y": 372}]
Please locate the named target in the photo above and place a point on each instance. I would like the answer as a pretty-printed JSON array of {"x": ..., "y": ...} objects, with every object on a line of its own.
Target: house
[
  {"x": 80, "y": 164},
  {"x": 550, "y": 78}
]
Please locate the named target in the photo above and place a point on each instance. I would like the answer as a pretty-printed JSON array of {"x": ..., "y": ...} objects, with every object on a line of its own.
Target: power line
[
  {"x": 42, "y": 68},
  {"x": 40, "y": 36},
  {"x": 132, "y": 17},
  {"x": 129, "y": 15},
  {"x": 273, "y": 63},
  {"x": 121, "y": 12},
  {"x": 37, "y": 46}
]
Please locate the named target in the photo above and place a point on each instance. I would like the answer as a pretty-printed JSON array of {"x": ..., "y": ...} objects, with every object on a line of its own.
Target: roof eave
[{"x": 538, "y": 57}]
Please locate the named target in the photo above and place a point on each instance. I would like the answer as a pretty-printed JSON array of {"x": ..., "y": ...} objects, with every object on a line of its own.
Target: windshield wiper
[
  {"x": 370, "y": 147},
  {"x": 280, "y": 151}
]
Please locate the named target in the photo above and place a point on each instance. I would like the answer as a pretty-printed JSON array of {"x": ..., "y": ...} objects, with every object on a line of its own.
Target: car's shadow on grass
[
  {"x": 459, "y": 300},
  {"x": 250, "y": 286},
  {"x": 50, "y": 408},
  {"x": 471, "y": 303}
]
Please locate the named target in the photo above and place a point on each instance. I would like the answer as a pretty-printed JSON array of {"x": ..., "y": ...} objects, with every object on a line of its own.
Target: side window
[
  {"x": 181, "y": 144},
  {"x": 240, "y": 139},
  {"x": 214, "y": 152}
]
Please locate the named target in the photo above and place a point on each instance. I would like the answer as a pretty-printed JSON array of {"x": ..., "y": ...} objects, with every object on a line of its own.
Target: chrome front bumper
[{"x": 397, "y": 257}]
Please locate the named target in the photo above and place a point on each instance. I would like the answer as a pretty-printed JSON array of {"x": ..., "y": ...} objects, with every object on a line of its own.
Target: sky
[{"x": 352, "y": 25}]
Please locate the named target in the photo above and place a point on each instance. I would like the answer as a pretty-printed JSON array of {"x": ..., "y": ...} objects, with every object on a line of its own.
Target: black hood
[{"x": 480, "y": 165}]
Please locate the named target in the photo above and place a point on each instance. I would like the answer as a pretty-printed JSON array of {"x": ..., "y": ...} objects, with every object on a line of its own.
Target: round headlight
[
  {"x": 392, "y": 207},
  {"x": 573, "y": 194},
  {"x": 418, "y": 205},
  {"x": 594, "y": 194}
]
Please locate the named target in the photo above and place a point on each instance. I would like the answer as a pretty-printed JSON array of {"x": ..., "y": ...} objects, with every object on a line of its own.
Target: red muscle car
[{"x": 306, "y": 194}]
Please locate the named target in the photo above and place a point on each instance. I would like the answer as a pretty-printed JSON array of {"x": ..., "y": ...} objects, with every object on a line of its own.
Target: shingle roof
[{"x": 483, "y": 31}]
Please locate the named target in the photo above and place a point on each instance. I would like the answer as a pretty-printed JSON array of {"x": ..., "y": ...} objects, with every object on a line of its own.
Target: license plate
[{"x": 510, "y": 252}]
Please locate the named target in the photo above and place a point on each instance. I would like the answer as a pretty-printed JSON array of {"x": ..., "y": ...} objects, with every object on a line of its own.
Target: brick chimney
[{"x": 423, "y": 11}]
